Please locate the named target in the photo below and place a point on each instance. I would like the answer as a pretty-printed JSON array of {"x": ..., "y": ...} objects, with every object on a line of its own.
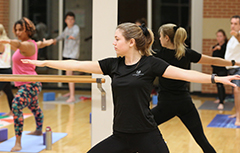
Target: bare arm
[
  {"x": 218, "y": 47},
  {"x": 236, "y": 34},
  {"x": 2, "y": 48},
  {"x": 215, "y": 61},
  {"x": 82, "y": 66},
  {"x": 44, "y": 43},
  {"x": 173, "y": 72},
  {"x": 27, "y": 48}
]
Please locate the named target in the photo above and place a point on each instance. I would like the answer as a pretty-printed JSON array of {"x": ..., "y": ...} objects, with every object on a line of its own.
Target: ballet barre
[{"x": 59, "y": 78}]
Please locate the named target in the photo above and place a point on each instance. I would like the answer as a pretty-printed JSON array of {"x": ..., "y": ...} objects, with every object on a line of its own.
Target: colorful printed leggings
[{"x": 27, "y": 96}]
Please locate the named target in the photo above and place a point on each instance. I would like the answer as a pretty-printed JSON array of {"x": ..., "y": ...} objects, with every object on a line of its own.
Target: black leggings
[
  {"x": 6, "y": 86},
  {"x": 118, "y": 142},
  {"x": 220, "y": 86},
  {"x": 186, "y": 111},
  {"x": 221, "y": 92}
]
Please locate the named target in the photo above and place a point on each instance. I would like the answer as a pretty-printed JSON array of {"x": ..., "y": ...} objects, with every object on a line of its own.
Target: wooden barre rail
[
  {"x": 49, "y": 78},
  {"x": 58, "y": 78}
]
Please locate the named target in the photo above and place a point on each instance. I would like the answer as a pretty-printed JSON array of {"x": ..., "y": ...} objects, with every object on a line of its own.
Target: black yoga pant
[
  {"x": 6, "y": 86},
  {"x": 221, "y": 92},
  {"x": 186, "y": 111},
  {"x": 148, "y": 142},
  {"x": 220, "y": 86}
]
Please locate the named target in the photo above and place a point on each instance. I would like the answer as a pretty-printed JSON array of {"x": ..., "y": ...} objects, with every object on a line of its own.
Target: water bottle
[{"x": 48, "y": 138}]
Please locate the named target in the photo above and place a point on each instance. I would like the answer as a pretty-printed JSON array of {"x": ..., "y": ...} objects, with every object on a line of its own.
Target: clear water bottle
[{"x": 48, "y": 138}]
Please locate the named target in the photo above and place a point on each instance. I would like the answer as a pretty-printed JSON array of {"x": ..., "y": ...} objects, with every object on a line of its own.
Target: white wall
[
  {"x": 15, "y": 13},
  {"x": 196, "y": 36},
  {"x": 104, "y": 25}
]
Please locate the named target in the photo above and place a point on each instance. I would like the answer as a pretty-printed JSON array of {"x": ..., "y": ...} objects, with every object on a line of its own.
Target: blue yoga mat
[
  {"x": 223, "y": 121},
  {"x": 30, "y": 143}
]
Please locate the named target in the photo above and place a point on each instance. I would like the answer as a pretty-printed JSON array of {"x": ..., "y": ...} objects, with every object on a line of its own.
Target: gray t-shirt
[{"x": 71, "y": 46}]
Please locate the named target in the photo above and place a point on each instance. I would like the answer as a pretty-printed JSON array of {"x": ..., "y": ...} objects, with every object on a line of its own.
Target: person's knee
[{"x": 14, "y": 107}]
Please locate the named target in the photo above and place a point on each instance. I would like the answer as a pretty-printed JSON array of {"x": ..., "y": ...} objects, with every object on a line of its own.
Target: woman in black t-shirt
[
  {"x": 132, "y": 74},
  {"x": 174, "y": 98},
  {"x": 219, "y": 51}
]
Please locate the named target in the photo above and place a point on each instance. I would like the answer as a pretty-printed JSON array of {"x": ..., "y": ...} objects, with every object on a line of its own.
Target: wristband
[
  {"x": 233, "y": 62},
  {"x": 212, "y": 78}
]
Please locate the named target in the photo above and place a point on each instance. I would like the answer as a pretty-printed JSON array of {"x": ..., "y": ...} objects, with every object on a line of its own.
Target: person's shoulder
[
  {"x": 75, "y": 26},
  {"x": 151, "y": 58}
]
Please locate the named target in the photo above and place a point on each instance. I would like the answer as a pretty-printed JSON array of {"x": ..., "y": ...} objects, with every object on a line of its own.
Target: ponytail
[
  {"x": 177, "y": 36},
  {"x": 179, "y": 42}
]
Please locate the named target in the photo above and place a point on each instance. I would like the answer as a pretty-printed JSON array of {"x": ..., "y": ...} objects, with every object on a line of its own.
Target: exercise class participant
[
  {"x": 27, "y": 94},
  {"x": 174, "y": 98},
  {"x": 132, "y": 74}
]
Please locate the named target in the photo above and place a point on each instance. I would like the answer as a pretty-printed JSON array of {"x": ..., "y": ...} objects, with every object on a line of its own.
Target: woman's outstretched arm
[
  {"x": 173, "y": 72},
  {"x": 44, "y": 43},
  {"x": 73, "y": 65},
  {"x": 217, "y": 61}
]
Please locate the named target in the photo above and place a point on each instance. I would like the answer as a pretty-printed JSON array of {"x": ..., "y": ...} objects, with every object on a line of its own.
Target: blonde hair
[
  {"x": 27, "y": 26},
  {"x": 3, "y": 34},
  {"x": 143, "y": 41},
  {"x": 177, "y": 36}
]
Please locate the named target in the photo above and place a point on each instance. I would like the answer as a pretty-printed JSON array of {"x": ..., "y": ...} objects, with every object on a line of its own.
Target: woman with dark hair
[
  {"x": 219, "y": 50},
  {"x": 132, "y": 74},
  {"x": 174, "y": 98},
  {"x": 27, "y": 95}
]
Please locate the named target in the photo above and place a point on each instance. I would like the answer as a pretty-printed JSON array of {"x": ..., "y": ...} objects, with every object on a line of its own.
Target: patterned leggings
[{"x": 27, "y": 96}]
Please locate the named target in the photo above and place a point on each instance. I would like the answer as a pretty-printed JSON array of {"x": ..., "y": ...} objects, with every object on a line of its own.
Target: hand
[
  {"x": 7, "y": 41},
  {"x": 71, "y": 37},
  {"x": 237, "y": 63},
  {"x": 227, "y": 80},
  {"x": 48, "y": 42},
  {"x": 234, "y": 33},
  {"x": 34, "y": 62},
  {"x": 217, "y": 48},
  {"x": 54, "y": 41}
]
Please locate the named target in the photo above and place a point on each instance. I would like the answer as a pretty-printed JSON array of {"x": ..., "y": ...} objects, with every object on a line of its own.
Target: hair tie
[
  {"x": 144, "y": 29},
  {"x": 175, "y": 28}
]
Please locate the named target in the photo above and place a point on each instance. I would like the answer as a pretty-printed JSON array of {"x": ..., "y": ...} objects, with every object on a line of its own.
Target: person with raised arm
[
  {"x": 132, "y": 74},
  {"x": 27, "y": 94}
]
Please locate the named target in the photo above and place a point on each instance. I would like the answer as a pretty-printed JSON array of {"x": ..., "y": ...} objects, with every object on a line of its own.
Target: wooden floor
[{"x": 74, "y": 120}]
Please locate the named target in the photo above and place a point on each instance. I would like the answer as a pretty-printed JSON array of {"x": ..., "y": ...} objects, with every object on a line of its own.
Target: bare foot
[
  {"x": 237, "y": 123},
  {"x": 220, "y": 106},
  {"x": 17, "y": 147},
  {"x": 70, "y": 100},
  {"x": 66, "y": 95},
  {"x": 37, "y": 132},
  {"x": 8, "y": 114},
  {"x": 232, "y": 116},
  {"x": 217, "y": 101}
]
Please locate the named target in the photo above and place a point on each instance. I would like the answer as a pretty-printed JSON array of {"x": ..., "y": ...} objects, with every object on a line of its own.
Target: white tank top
[{"x": 5, "y": 57}]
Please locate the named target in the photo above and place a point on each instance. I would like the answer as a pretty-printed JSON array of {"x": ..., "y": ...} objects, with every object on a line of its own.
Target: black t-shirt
[
  {"x": 219, "y": 53},
  {"x": 170, "y": 87},
  {"x": 131, "y": 88}
]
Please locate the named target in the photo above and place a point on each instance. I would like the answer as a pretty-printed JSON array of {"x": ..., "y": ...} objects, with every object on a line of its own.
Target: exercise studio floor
[{"x": 73, "y": 119}]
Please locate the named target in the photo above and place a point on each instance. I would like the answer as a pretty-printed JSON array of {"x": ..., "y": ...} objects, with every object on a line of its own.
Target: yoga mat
[
  {"x": 62, "y": 100},
  {"x": 210, "y": 105},
  {"x": 30, "y": 143},
  {"x": 222, "y": 121},
  {"x": 7, "y": 120}
]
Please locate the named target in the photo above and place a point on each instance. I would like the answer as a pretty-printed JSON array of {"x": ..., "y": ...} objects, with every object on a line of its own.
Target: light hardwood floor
[{"x": 74, "y": 120}]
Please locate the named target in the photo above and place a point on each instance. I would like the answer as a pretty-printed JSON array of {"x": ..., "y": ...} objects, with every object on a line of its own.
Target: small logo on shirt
[{"x": 138, "y": 73}]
